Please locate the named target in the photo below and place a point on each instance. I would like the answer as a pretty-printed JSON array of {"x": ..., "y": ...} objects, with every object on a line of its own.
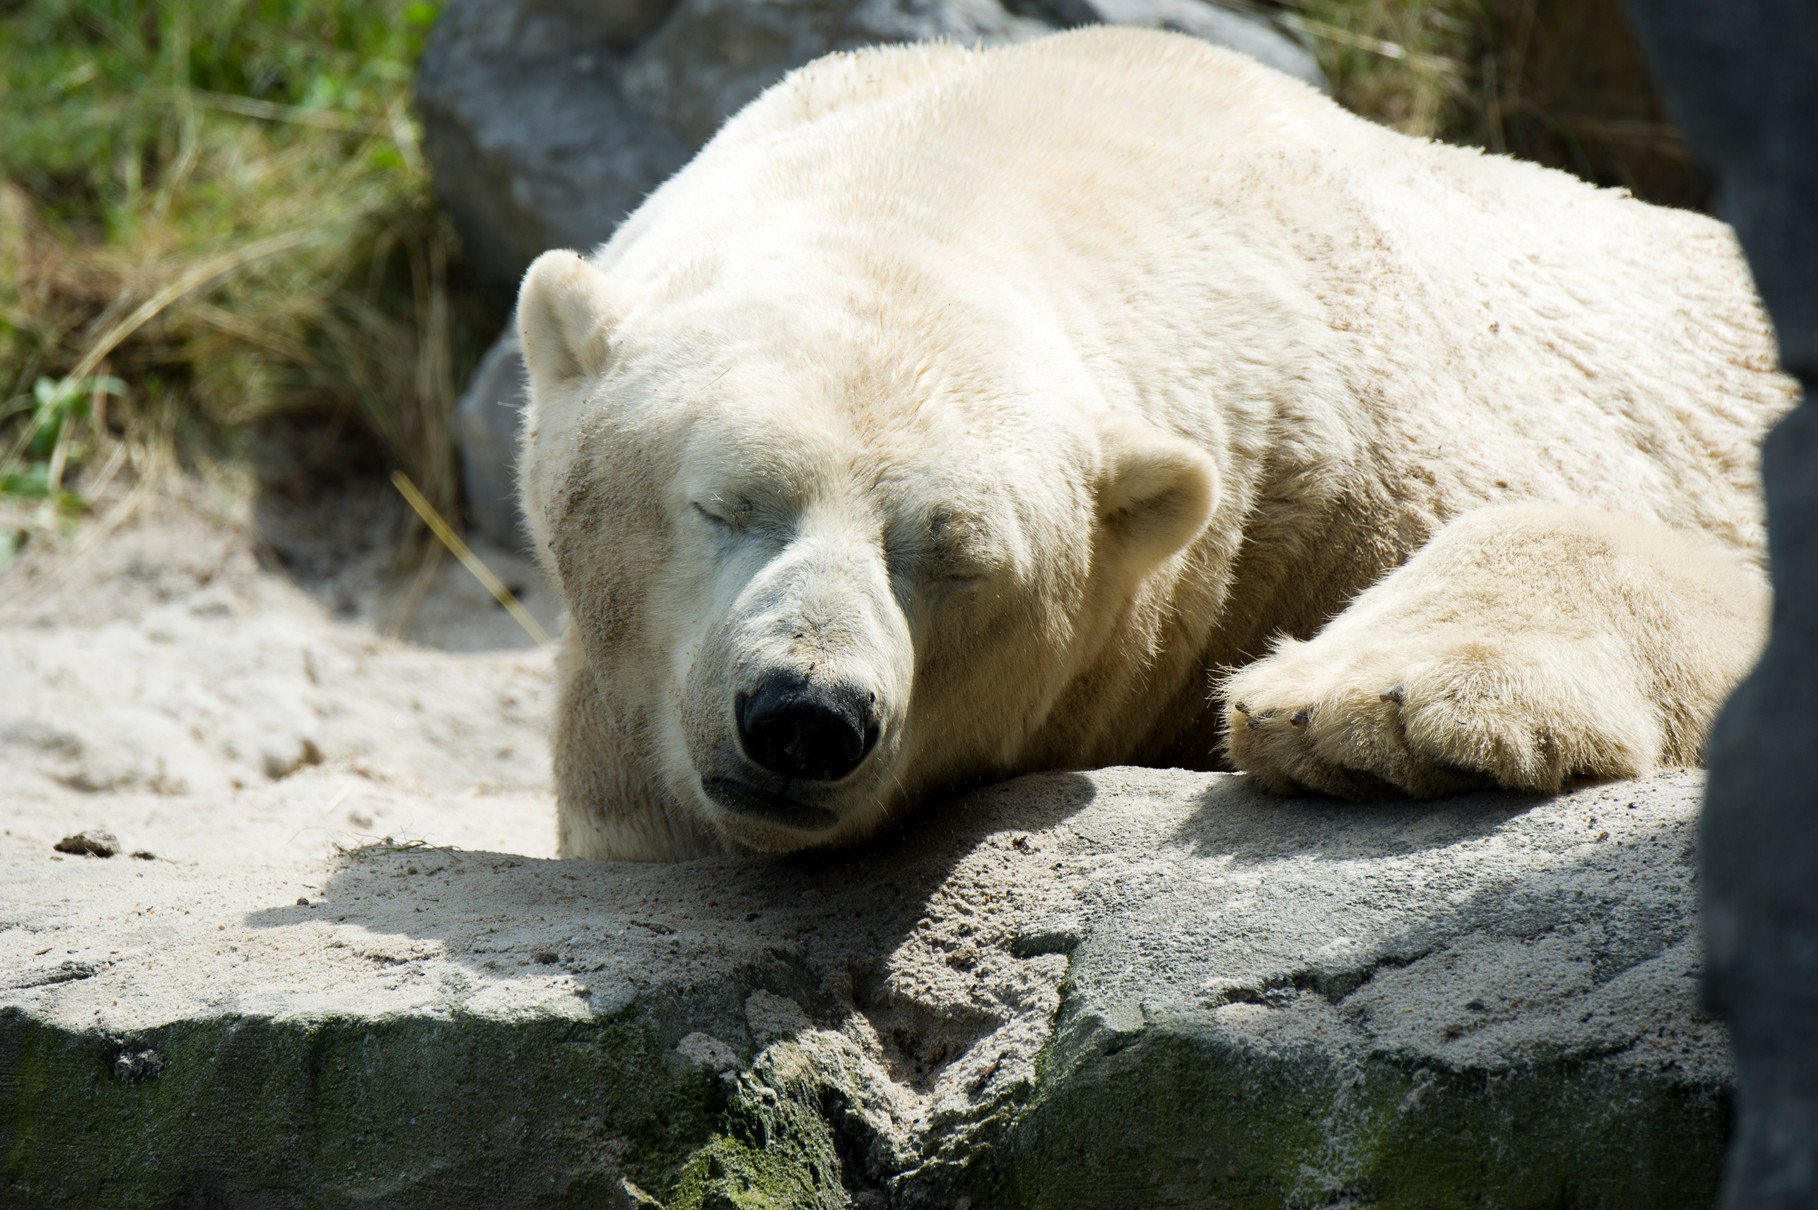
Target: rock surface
[
  {"x": 548, "y": 121},
  {"x": 1129, "y": 987},
  {"x": 332, "y": 960}
]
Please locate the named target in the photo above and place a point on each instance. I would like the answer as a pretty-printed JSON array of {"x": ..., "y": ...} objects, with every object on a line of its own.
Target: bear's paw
[{"x": 1429, "y": 718}]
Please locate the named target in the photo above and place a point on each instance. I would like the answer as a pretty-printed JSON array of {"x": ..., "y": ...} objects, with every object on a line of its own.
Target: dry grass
[
  {"x": 1561, "y": 82},
  {"x": 386, "y": 847},
  {"x": 211, "y": 215}
]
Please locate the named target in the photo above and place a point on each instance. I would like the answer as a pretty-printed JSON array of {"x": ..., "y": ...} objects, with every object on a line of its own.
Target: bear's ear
[
  {"x": 1155, "y": 495},
  {"x": 564, "y": 320}
]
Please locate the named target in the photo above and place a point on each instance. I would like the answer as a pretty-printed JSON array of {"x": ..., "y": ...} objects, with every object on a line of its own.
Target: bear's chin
[
  {"x": 762, "y": 836},
  {"x": 753, "y": 818}
]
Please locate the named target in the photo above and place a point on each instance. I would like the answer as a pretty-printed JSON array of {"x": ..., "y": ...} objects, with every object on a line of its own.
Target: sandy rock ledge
[{"x": 1129, "y": 988}]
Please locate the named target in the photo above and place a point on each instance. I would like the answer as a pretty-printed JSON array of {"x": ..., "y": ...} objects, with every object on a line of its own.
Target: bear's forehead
[
  {"x": 904, "y": 393},
  {"x": 750, "y": 451},
  {"x": 835, "y": 300},
  {"x": 872, "y": 375}
]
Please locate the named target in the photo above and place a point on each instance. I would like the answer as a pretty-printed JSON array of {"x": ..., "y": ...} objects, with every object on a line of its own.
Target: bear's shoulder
[
  {"x": 848, "y": 80},
  {"x": 1089, "y": 62}
]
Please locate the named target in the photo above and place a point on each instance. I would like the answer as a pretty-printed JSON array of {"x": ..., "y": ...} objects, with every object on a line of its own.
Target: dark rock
[
  {"x": 89, "y": 844},
  {"x": 532, "y": 139},
  {"x": 130, "y": 1068},
  {"x": 614, "y": 23},
  {"x": 1741, "y": 76}
]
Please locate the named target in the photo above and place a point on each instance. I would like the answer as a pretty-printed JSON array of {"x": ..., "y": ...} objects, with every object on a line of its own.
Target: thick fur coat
[{"x": 960, "y": 413}]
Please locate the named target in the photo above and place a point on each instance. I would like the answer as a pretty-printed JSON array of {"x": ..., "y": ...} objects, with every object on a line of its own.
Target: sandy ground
[{"x": 207, "y": 668}]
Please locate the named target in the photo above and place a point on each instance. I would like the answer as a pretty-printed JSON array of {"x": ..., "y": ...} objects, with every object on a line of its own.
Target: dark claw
[
  {"x": 1241, "y": 709},
  {"x": 1299, "y": 717},
  {"x": 1257, "y": 720},
  {"x": 1394, "y": 693}
]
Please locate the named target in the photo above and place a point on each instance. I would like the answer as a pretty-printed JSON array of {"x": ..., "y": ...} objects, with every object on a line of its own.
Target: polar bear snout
[
  {"x": 799, "y": 741},
  {"x": 795, "y": 704},
  {"x": 804, "y": 730}
]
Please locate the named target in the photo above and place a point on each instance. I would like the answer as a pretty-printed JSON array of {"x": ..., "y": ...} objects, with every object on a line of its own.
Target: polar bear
[{"x": 1111, "y": 398}]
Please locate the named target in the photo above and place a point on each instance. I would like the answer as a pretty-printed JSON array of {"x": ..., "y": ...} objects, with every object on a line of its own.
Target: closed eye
[
  {"x": 932, "y": 555},
  {"x": 733, "y": 516},
  {"x": 933, "y": 568}
]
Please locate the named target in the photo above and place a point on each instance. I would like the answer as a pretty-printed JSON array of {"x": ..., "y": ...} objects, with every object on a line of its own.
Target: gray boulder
[
  {"x": 532, "y": 140},
  {"x": 548, "y": 121},
  {"x": 1126, "y": 988}
]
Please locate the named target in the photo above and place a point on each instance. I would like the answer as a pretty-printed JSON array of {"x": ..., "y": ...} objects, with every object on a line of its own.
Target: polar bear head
[{"x": 824, "y": 550}]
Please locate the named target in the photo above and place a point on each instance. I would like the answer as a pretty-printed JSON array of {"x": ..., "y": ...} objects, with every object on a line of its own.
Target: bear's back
[{"x": 1491, "y": 328}]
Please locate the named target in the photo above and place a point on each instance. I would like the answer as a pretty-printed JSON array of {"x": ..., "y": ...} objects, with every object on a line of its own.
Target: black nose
[{"x": 804, "y": 730}]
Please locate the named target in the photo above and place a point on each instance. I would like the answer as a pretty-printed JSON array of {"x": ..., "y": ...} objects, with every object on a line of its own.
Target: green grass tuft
[{"x": 213, "y": 214}]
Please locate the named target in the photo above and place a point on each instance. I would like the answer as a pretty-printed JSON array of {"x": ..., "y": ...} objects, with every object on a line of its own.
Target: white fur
[{"x": 1034, "y": 387}]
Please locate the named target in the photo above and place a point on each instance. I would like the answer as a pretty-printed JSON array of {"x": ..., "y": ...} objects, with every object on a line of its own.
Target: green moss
[
  {"x": 336, "y": 1112},
  {"x": 728, "y": 1173},
  {"x": 1183, "y": 1116},
  {"x": 778, "y": 1151}
]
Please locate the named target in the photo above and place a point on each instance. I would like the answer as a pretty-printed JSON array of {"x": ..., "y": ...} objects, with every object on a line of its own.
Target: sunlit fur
[{"x": 1038, "y": 388}]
